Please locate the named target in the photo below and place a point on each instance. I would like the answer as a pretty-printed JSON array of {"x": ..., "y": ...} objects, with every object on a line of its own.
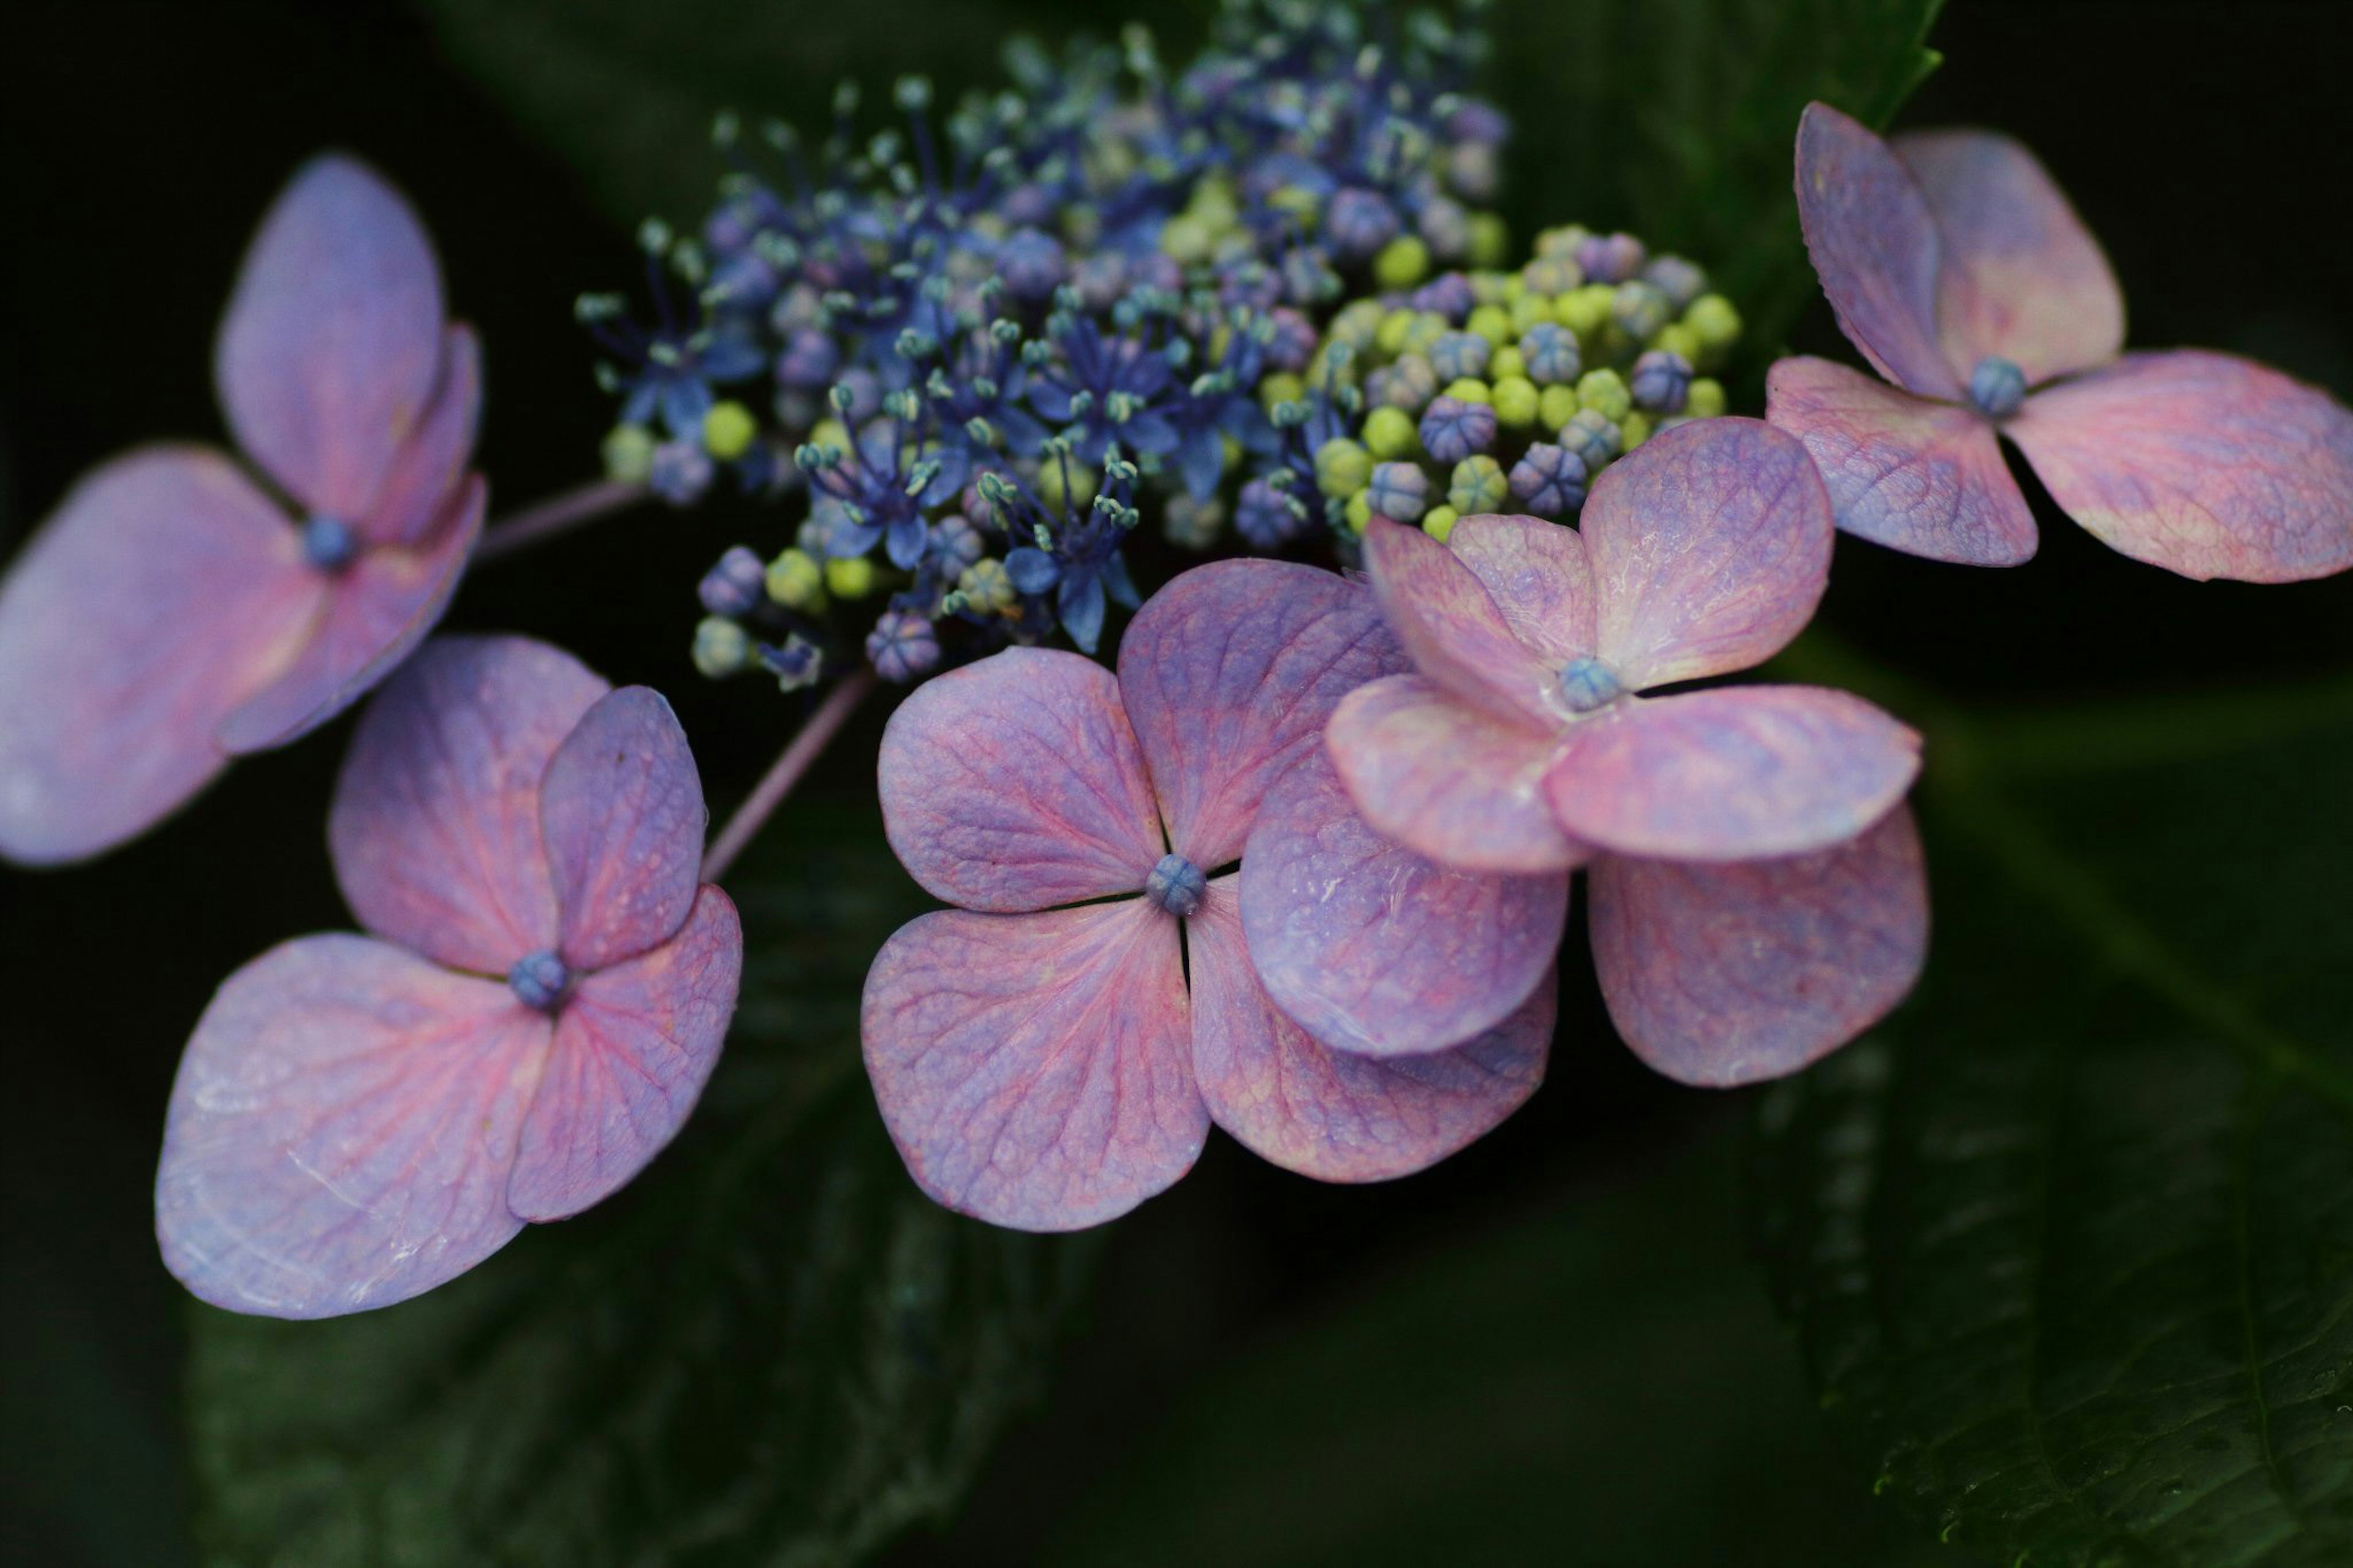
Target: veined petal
[
  {"x": 1874, "y": 247},
  {"x": 1732, "y": 774},
  {"x": 332, "y": 345},
  {"x": 2023, "y": 279},
  {"x": 1449, "y": 780},
  {"x": 1924, "y": 478},
  {"x": 430, "y": 463},
  {"x": 434, "y": 827},
  {"x": 634, "y": 1046},
  {"x": 1016, "y": 784},
  {"x": 621, "y": 814},
  {"x": 1720, "y": 975},
  {"x": 1228, "y": 676},
  {"x": 1370, "y": 947},
  {"x": 1336, "y": 1115},
  {"x": 1452, "y": 628},
  {"x": 1710, "y": 546},
  {"x": 376, "y": 613},
  {"x": 2201, "y": 463},
  {"x": 1540, "y": 577},
  {"x": 163, "y": 591},
  {"x": 342, "y": 1129},
  {"x": 1036, "y": 1070}
]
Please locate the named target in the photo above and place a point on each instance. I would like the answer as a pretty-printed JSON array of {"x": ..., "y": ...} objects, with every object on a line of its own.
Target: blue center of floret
[
  {"x": 1175, "y": 886},
  {"x": 1996, "y": 386},
  {"x": 1587, "y": 684},
  {"x": 539, "y": 980}
]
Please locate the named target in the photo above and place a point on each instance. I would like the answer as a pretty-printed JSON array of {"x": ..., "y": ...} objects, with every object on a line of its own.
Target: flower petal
[
  {"x": 434, "y": 827},
  {"x": 1924, "y": 478},
  {"x": 1539, "y": 576},
  {"x": 2022, "y": 278},
  {"x": 2201, "y": 463},
  {"x": 634, "y": 1046},
  {"x": 1336, "y": 1115},
  {"x": 1449, "y": 780},
  {"x": 332, "y": 345},
  {"x": 1452, "y": 628},
  {"x": 430, "y": 463},
  {"x": 377, "y": 610},
  {"x": 1036, "y": 1070},
  {"x": 163, "y": 591},
  {"x": 1874, "y": 247},
  {"x": 1372, "y": 948},
  {"x": 622, "y": 812},
  {"x": 1228, "y": 676},
  {"x": 1726, "y": 975},
  {"x": 1710, "y": 546},
  {"x": 1732, "y": 774},
  {"x": 1016, "y": 784},
  {"x": 340, "y": 1130}
]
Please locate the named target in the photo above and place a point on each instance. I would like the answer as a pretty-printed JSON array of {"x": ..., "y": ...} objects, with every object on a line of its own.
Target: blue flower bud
[
  {"x": 903, "y": 646},
  {"x": 1175, "y": 886},
  {"x": 1266, "y": 518},
  {"x": 1031, "y": 265},
  {"x": 1290, "y": 343},
  {"x": 1449, "y": 295},
  {"x": 1996, "y": 386},
  {"x": 681, "y": 472},
  {"x": 958, "y": 541},
  {"x": 1549, "y": 351},
  {"x": 539, "y": 980},
  {"x": 1459, "y": 355},
  {"x": 1593, "y": 438},
  {"x": 737, "y": 585},
  {"x": 1680, "y": 280},
  {"x": 328, "y": 542},
  {"x": 1639, "y": 308},
  {"x": 1587, "y": 684},
  {"x": 1549, "y": 480},
  {"x": 1398, "y": 491},
  {"x": 1452, "y": 429},
  {"x": 1610, "y": 257},
  {"x": 1359, "y": 223},
  {"x": 1661, "y": 382}
]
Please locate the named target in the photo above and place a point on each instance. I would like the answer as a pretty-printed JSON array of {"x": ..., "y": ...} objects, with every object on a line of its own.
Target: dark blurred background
[{"x": 1550, "y": 1349}]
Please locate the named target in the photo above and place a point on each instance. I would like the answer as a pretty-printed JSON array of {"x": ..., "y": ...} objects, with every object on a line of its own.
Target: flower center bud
[
  {"x": 1587, "y": 684},
  {"x": 1996, "y": 386},
  {"x": 1175, "y": 886},
  {"x": 328, "y": 542},
  {"x": 539, "y": 980}
]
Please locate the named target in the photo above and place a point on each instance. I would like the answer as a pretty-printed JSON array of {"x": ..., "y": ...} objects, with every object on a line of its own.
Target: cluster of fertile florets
[{"x": 975, "y": 352}]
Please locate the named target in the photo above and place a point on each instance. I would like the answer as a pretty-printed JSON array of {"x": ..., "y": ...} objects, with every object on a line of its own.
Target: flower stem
[
  {"x": 785, "y": 772},
  {"x": 556, "y": 514}
]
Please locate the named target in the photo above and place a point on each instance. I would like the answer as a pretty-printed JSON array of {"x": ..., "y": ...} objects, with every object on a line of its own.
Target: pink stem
[
  {"x": 777, "y": 783},
  {"x": 555, "y": 515}
]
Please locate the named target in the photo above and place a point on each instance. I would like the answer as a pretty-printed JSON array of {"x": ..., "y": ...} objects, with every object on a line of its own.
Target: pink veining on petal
[
  {"x": 2204, "y": 464},
  {"x": 1447, "y": 780},
  {"x": 1711, "y": 547},
  {"x": 1732, "y": 774},
  {"x": 434, "y": 827},
  {"x": 432, "y": 461},
  {"x": 1924, "y": 478},
  {"x": 1720, "y": 975},
  {"x": 1035, "y": 1070},
  {"x": 1229, "y": 675},
  {"x": 163, "y": 591},
  {"x": 2023, "y": 279},
  {"x": 1336, "y": 1115},
  {"x": 340, "y": 1130},
  {"x": 1539, "y": 576},
  {"x": 621, "y": 814},
  {"x": 634, "y": 1046},
  {"x": 1876, "y": 248},
  {"x": 1016, "y": 784},
  {"x": 1451, "y": 628},
  {"x": 375, "y": 612},
  {"x": 332, "y": 345},
  {"x": 1370, "y": 947}
]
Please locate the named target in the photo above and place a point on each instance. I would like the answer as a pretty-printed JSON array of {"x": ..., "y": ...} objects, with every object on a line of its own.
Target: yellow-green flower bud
[
  {"x": 1478, "y": 484},
  {"x": 1084, "y": 482},
  {"x": 797, "y": 581},
  {"x": 1633, "y": 430},
  {"x": 1556, "y": 405},
  {"x": 1187, "y": 239},
  {"x": 1438, "y": 521},
  {"x": 1424, "y": 330},
  {"x": 1605, "y": 392},
  {"x": 1705, "y": 399},
  {"x": 628, "y": 454},
  {"x": 1469, "y": 390},
  {"x": 1506, "y": 361},
  {"x": 1357, "y": 324},
  {"x": 1714, "y": 320},
  {"x": 1491, "y": 239},
  {"x": 727, "y": 430},
  {"x": 1389, "y": 336},
  {"x": 850, "y": 579},
  {"x": 1390, "y": 433},
  {"x": 1281, "y": 387},
  {"x": 830, "y": 432},
  {"x": 721, "y": 646},
  {"x": 1359, "y": 512},
  {"x": 1402, "y": 263},
  {"x": 1517, "y": 401},
  {"x": 1493, "y": 322},
  {"x": 1582, "y": 310},
  {"x": 1676, "y": 337},
  {"x": 987, "y": 589},
  {"x": 1526, "y": 312},
  {"x": 1343, "y": 468}
]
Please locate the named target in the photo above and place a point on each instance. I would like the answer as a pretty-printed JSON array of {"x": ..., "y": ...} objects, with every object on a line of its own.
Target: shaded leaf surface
[
  {"x": 771, "y": 1349},
  {"x": 2074, "y": 1251}
]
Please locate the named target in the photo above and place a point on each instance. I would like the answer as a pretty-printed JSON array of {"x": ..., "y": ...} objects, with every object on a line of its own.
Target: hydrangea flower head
[
  {"x": 170, "y": 613},
  {"x": 1052, "y": 1051},
  {"x": 1964, "y": 276},
  {"x": 359, "y": 1119},
  {"x": 1757, "y": 890}
]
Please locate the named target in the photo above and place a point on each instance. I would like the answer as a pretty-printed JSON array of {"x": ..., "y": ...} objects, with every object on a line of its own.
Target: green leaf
[
  {"x": 1676, "y": 118},
  {"x": 1590, "y": 1377},
  {"x": 2071, "y": 1240},
  {"x": 771, "y": 1348}
]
